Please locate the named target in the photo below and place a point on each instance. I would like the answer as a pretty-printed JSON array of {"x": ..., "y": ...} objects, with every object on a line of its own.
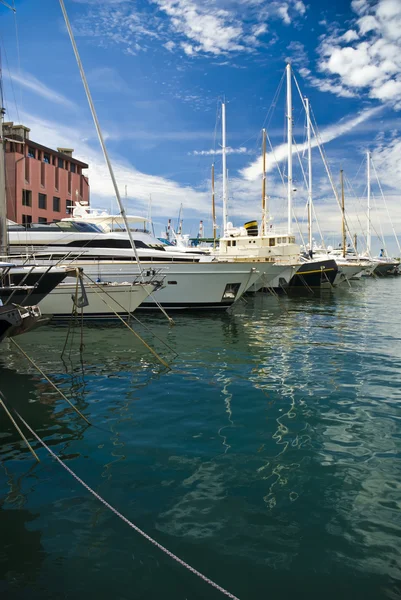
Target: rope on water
[
  {"x": 96, "y": 285},
  {"x": 127, "y": 521},
  {"x": 12, "y": 340}
]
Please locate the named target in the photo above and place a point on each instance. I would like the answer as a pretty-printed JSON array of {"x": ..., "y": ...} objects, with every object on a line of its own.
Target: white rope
[
  {"x": 132, "y": 525},
  {"x": 385, "y": 204}
]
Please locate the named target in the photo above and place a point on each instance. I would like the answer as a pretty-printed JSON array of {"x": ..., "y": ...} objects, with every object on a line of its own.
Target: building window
[
  {"x": 26, "y": 198},
  {"x": 46, "y": 157},
  {"x": 69, "y": 205},
  {"x": 60, "y": 163},
  {"x": 42, "y": 174},
  {"x": 69, "y": 182},
  {"x": 27, "y": 170},
  {"x": 42, "y": 220},
  {"x": 42, "y": 201},
  {"x": 56, "y": 204},
  {"x": 26, "y": 219},
  {"x": 31, "y": 152},
  {"x": 72, "y": 167}
]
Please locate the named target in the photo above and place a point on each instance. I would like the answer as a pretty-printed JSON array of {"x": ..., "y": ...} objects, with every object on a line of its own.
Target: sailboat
[
  {"x": 275, "y": 246},
  {"x": 383, "y": 264}
]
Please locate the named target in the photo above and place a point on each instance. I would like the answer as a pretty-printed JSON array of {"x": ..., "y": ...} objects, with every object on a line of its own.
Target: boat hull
[
  {"x": 314, "y": 274},
  {"x": 104, "y": 300},
  {"x": 186, "y": 286}
]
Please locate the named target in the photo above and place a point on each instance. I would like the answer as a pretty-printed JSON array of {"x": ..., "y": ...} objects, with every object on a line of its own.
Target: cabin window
[
  {"x": 234, "y": 243},
  {"x": 42, "y": 201},
  {"x": 26, "y": 198},
  {"x": 69, "y": 205},
  {"x": 272, "y": 241},
  {"x": 229, "y": 243},
  {"x": 292, "y": 240},
  {"x": 172, "y": 282},
  {"x": 279, "y": 240}
]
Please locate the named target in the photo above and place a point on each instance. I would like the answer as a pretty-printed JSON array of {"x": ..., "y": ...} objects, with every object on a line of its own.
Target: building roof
[{"x": 58, "y": 154}]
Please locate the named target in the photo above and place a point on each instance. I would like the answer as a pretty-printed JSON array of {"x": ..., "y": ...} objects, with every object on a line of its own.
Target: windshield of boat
[{"x": 59, "y": 226}]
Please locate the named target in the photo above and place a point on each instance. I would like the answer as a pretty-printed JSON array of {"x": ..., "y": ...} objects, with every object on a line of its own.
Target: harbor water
[{"x": 268, "y": 457}]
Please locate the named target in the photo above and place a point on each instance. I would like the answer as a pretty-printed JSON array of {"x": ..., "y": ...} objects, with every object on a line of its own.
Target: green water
[{"x": 268, "y": 457}]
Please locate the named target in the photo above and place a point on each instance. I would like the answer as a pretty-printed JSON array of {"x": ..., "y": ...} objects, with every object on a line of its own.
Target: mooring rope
[
  {"x": 12, "y": 340},
  {"x": 127, "y": 521}
]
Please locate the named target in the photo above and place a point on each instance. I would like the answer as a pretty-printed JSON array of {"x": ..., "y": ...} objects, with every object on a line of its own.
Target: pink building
[{"x": 42, "y": 184}]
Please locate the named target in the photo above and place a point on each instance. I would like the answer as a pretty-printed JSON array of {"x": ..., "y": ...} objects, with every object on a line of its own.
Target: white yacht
[{"x": 191, "y": 282}]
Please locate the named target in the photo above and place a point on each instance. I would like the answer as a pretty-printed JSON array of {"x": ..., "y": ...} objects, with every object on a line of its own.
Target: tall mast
[
  {"x": 213, "y": 209},
  {"x": 224, "y": 161},
  {"x": 289, "y": 142},
  {"x": 3, "y": 195},
  {"x": 308, "y": 129},
  {"x": 100, "y": 135},
  {"x": 368, "y": 227},
  {"x": 343, "y": 212},
  {"x": 264, "y": 182}
]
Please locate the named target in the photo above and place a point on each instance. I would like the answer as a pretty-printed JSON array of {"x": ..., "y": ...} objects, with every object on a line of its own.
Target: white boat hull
[
  {"x": 104, "y": 300},
  {"x": 186, "y": 285}
]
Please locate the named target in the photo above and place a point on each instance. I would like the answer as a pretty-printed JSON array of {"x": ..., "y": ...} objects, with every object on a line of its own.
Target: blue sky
[{"x": 158, "y": 70}]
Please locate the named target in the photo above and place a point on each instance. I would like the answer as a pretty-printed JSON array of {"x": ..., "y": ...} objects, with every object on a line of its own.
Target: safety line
[{"x": 123, "y": 518}]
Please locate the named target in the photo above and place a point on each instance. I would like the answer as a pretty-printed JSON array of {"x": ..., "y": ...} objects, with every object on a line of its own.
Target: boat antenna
[
  {"x": 263, "y": 182},
  {"x": 213, "y": 210},
  {"x": 224, "y": 164},
  {"x": 3, "y": 195},
  {"x": 100, "y": 135},
  {"x": 308, "y": 130},
  {"x": 343, "y": 212},
  {"x": 289, "y": 144},
  {"x": 368, "y": 224}
]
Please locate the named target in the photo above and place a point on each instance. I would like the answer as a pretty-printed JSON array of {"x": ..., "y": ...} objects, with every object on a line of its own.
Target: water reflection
[{"x": 268, "y": 457}]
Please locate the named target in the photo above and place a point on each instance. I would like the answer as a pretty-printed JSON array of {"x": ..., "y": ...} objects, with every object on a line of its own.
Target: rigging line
[
  {"x": 385, "y": 204},
  {"x": 4, "y": 52},
  {"x": 322, "y": 152},
  {"x": 125, "y": 519},
  {"x": 381, "y": 237},
  {"x": 12, "y": 340},
  {"x": 350, "y": 190},
  {"x": 3, "y": 404},
  {"x": 163, "y": 362},
  {"x": 18, "y": 52}
]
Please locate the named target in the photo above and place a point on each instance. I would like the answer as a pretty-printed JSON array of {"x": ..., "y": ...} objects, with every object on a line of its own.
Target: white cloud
[
  {"x": 229, "y": 150},
  {"x": 367, "y": 58},
  {"x": 167, "y": 195},
  {"x": 169, "y": 45},
  {"x": 209, "y": 31},
  {"x": 254, "y": 170},
  {"x": 194, "y": 26},
  {"x": 40, "y": 89}
]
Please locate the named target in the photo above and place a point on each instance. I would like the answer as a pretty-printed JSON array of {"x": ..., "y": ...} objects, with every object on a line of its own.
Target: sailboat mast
[
  {"x": 289, "y": 142},
  {"x": 3, "y": 196},
  {"x": 343, "y": 212},
  {"x": 213, "y": 210},
  {"x": 308, "y": 129},
  {"x": 368, "y": 226},
  {"x": 264, "y": 182},
  {"x": 224, "y": 164},
  {"x": 99, "y": 133}
]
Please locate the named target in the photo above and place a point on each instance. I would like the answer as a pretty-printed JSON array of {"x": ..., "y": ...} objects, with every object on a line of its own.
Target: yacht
[{"x": 190, "y": 281}]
